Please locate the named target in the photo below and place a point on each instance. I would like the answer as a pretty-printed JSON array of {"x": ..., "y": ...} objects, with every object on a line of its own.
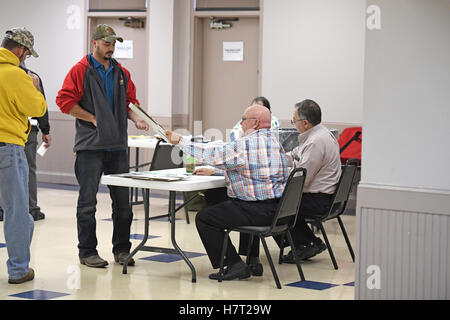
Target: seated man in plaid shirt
[{"x": 256, "y": 173}]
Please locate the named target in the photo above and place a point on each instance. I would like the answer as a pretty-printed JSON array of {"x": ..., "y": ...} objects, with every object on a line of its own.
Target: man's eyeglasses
[
  {"x": 245, "y": 118},
  {"x": 293, "y": 121}
]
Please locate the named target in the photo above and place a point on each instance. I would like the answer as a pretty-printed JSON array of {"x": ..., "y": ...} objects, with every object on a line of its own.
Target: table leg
[
  {"x": 145, "y": 193},
  {"x": 172, "y": 195}
]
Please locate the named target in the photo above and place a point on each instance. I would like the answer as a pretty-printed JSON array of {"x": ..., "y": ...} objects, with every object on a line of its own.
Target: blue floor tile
[
  {"x": 350, "y": 284},
  {"x": 39, "y": 295},
  {"x": 314, "y": 285},
  {"x": 137, "y": 236},
  {"x": 167, "y": 257},
  {"x": 164, "y": 219},
  {"x": 2, "y": 245}
]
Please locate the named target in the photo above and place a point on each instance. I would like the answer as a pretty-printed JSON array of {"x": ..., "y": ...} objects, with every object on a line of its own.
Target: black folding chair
[
  {"x": 282, "y": 223},
  {"x": 339, "y": 203},
  {"x": 167, "y": 156}
]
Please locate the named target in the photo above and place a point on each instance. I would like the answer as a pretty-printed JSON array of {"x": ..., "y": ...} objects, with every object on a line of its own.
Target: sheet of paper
[
  {"x": 42, "y": 149},
  {"x": 154, "y": 175},
  {"x": 152, "y": 123},
  {"x": 233, "y": 51}
]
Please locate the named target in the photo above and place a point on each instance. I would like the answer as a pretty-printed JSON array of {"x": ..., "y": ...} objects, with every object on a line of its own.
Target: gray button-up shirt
[{"x": 318, "y": 153}]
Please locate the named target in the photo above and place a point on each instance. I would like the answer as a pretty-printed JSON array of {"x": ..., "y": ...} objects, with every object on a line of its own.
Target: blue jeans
[
  {"x": 89, "y": 167},
  {"x": 18, "y": 223}
]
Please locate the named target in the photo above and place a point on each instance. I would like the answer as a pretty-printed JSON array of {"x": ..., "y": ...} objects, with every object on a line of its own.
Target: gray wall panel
[{"x": 411, "y": 249}]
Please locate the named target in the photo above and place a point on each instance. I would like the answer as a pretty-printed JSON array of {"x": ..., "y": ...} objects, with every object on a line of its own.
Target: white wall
[
  {"x": 407, "y": 96},
  {"x": 160, "y": 84},
  {"x": 181, "y": 52},
  {"x": 314, "y": 49},
  {"x": 58, "y": 38}
]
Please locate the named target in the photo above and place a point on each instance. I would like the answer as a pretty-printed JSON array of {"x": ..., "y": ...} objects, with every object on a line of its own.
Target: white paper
[
  {"x": 124, "y": 50},
  {"x": 233, "y": 51},
  {"x": 152, "y": 123},
  {"x": 42, "y": 149}
]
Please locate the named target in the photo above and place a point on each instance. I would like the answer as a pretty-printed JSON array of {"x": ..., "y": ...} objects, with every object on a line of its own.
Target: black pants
[
  {"x": 212, "y": 221},
  {"x": 89, "y": 167},
  {"x": 312, "y": 204}
]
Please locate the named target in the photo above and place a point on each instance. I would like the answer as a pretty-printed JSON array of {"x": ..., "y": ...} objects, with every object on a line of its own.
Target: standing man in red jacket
[{"x": 97, "y": 91}]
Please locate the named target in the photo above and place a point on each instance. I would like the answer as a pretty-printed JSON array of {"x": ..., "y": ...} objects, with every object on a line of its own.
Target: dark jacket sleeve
[{"x": 43, "y": 122}]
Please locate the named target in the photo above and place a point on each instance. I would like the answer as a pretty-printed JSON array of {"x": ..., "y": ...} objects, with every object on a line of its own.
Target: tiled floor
[{"x": 59, "y": 274}]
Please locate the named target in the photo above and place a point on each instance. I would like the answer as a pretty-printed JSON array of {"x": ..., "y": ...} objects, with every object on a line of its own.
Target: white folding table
[
  {"x": 146, "y": 142},
  {"x": 189, "y": 183}
]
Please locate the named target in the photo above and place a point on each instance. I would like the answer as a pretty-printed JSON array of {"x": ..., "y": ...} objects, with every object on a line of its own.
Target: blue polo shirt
[{"x": 107, "y": 77}]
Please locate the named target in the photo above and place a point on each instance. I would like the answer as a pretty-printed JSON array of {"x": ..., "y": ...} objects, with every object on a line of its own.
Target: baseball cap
[
  {"x": 23, "y": 37},
  {"x": 105, "y": 32}
]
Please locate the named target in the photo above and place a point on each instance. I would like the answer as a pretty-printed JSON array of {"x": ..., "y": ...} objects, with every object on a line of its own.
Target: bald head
[{"x": 260, "y": 113}]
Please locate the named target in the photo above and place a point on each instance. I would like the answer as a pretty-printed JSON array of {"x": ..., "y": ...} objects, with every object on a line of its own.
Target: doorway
[{"x": 223, "y": 89}]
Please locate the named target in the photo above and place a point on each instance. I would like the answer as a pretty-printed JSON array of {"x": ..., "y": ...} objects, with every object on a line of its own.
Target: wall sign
[
  {"x": 233, "y": 51},
  {"x": 124, "y": 50}
]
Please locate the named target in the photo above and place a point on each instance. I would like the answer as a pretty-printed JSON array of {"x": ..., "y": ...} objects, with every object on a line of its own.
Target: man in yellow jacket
[{"x": 19, "y": 99}]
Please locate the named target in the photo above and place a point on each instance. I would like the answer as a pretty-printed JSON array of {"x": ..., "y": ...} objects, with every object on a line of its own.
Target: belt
[
  {"x": 2, "y": 144},
  {"x": 275, "y": 200},
  {"x": 321, "y": 195}
]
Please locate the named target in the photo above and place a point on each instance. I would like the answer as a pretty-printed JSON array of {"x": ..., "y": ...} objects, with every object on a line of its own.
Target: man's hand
[
  {"x": 141, "y": 125},
  {"x": 138, "y": 122},
  {"x": 47, "y": 139},
  {"x": 204, "y": 171},
  {"x": 35, "y": 79},
  {"x": 174, "y": 138}
]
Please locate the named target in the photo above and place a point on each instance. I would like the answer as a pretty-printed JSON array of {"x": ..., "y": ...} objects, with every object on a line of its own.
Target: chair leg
[
  {"x": 280, "y": 259},
  {"x": 297, "y": 260},
  {"x": 186, "y": 211},
  {"x": 347, "y": 240},
  {"x": 249, "y": 247},
  {"x": 330, "y": 251},
  {"x": 222, "y": 257},
  {"x": 272, "y": 267}
]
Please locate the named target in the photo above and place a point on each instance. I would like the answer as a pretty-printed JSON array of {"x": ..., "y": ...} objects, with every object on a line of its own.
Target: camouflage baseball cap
[
  {"x": 105, "y": 32},
  {"x": 23, "y": 37}
]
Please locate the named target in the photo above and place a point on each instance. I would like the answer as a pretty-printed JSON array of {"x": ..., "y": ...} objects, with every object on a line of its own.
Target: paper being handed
[{"x": 156, "y": 127}]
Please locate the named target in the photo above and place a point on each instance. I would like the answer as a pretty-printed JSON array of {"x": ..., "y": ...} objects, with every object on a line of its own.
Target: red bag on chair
[{"x": 350, "y": 143}]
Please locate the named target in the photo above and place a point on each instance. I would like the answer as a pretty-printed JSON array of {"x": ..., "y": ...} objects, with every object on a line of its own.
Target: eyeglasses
[
  {"x": 27, "y": 52},
  {"x": 293, "y": 121},
  {"x": 245, "y": 118}
]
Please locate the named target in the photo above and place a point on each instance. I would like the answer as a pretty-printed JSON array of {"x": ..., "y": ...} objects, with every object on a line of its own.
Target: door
[{"x": 227, "y": 87}]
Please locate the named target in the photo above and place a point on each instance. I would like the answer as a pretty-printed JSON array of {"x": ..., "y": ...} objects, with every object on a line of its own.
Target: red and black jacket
[{"x": 83, "y": 86}]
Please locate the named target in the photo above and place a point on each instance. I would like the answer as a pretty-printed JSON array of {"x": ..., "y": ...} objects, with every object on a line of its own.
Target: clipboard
[{"x": 156, "y": 127}]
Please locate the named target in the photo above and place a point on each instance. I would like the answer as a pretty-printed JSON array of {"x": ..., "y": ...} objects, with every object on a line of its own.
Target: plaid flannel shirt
[{"x": 254, "y": 165}]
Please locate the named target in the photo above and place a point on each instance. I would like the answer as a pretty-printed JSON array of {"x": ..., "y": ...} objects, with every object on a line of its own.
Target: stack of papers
[{"x": 154, "y": 175}]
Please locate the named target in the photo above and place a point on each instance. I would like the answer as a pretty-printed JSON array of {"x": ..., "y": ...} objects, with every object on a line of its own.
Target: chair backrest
[
  {"x": 343, "y": 189},
  {"x": 166, "y": 156},
  {"x": 289, "y": 205}
]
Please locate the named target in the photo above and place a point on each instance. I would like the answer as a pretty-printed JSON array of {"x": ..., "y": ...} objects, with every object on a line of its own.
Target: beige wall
[{"x": 169, "y": 73}]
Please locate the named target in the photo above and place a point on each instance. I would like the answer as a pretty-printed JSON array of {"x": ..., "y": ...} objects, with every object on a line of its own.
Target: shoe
[
  {"x": 305, "y": 252},
  {"x": 28, "y": 277},
  {"x": 38, "y": 215},
  {"x": 94, "y": 261},
  {"x": 121, "y": 257},
  {"x": 238, "y": 270},
  {"x": 256, "y": 269}
]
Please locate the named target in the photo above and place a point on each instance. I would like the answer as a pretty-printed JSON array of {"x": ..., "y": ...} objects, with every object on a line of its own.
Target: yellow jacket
[{"x": 19, "y": 99}]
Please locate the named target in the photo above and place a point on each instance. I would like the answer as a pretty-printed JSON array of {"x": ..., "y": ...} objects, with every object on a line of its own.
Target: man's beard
[{"x": 108, "y": 55}]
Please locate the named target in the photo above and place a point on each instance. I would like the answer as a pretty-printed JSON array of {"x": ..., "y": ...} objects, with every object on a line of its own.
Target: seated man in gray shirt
[{"x": 318, "y": 152}]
